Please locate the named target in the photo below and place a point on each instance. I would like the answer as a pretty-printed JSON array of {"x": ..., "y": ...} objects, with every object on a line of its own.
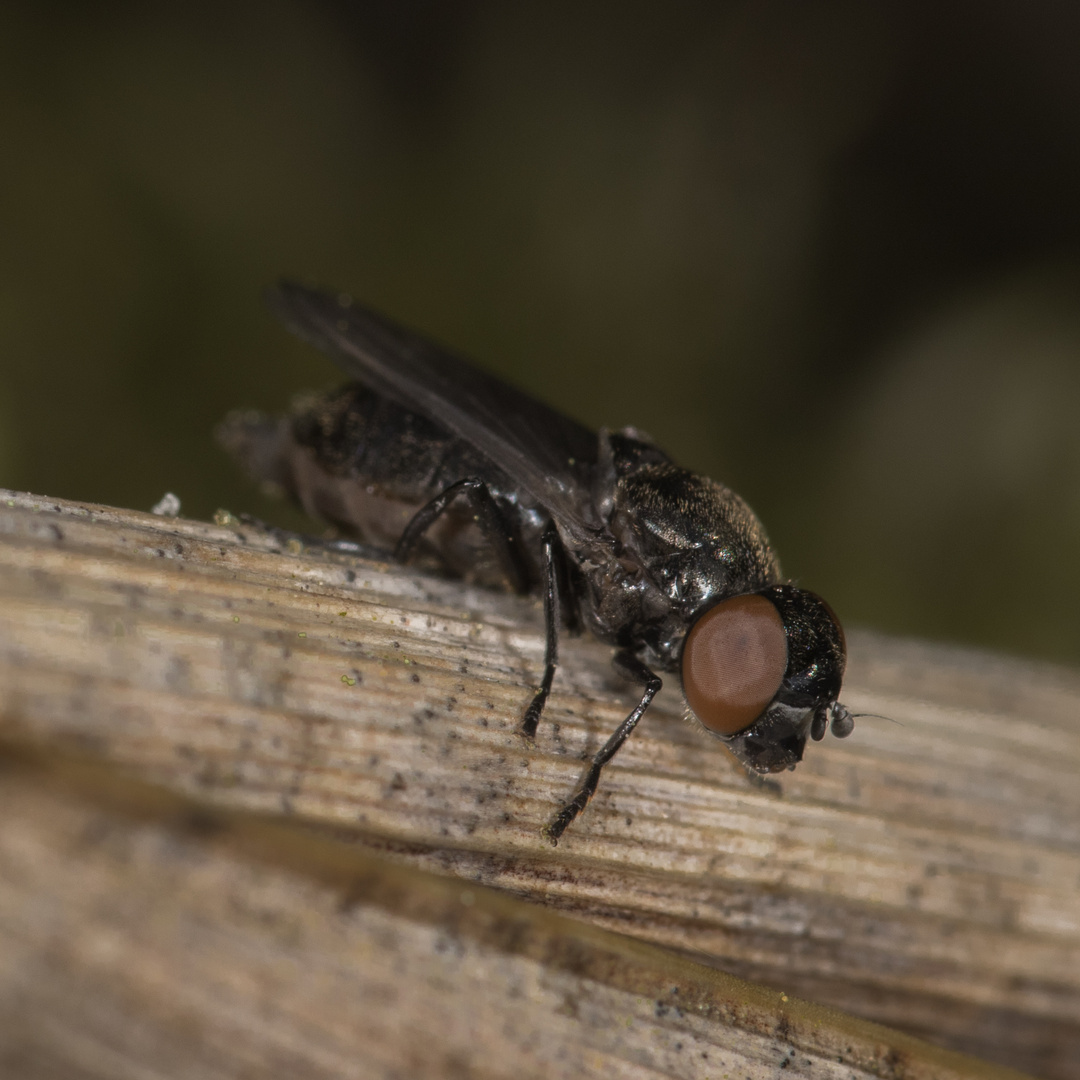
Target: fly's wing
[{"x": 550, "y": 456}]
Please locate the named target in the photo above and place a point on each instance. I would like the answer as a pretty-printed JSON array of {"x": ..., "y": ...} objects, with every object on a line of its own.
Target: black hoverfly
[{"x": 428, "y": 455}]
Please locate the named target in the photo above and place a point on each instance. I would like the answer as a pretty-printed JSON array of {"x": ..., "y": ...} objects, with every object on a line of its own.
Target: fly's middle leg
[
  {"x": 497, "y": 531},
  {"x": 551, "y": 557}
]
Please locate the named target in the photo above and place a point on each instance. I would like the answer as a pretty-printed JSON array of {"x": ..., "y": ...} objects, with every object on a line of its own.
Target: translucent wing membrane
[{"x": 550, "y": 456}]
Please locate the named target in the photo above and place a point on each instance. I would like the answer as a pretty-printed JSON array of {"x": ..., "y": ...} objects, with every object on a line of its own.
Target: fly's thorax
[
  {"x": 696, "y": 539},
  {"x": 679, "y": 542}
]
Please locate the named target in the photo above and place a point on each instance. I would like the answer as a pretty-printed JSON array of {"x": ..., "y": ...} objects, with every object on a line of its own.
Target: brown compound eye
[{"x": 733, "y": 663}]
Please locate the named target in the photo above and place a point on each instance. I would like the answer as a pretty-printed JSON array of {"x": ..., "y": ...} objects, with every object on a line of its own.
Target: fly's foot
[
  {"x": 586, "y": 789},
  {"x": 531, "y": 720},
  {"x": 557, "y": 825},
  {"x": 554, "y": 829}
]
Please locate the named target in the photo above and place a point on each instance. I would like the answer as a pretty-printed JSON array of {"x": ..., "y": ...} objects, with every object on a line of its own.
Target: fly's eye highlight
[{"x": 733, "y": 662}]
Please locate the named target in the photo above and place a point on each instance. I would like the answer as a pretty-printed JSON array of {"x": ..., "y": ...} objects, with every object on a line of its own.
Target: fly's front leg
[
  {"x": 551, "y": 555},
  {"x": 626, "y": 663},
  {"x": 493, "y": 524}
]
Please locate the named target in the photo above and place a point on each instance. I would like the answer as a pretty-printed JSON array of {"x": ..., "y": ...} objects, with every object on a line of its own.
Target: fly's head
[{"x": 762, "y": 672}]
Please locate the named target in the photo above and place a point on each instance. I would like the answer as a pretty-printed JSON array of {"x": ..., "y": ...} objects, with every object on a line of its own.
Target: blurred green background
[{"x": 826, "y": 252}]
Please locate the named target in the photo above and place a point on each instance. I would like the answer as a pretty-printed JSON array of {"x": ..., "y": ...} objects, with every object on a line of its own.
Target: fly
[{"x": 430, "y": 456}]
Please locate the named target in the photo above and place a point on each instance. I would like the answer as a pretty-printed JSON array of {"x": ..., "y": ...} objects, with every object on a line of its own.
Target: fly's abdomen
[{"x": 366, "y": 464}]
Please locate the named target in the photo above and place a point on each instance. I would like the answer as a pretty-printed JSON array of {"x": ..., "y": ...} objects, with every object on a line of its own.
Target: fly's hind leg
[
  {"x": 626, "y": 663},
  {"x": 497, "y": 531}
]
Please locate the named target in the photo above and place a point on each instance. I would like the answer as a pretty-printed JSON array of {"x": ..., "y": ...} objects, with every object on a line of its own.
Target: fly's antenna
[{"x": 876, "y": 716}]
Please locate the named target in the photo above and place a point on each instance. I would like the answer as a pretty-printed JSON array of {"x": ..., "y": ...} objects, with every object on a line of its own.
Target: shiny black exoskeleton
[{"x": 432, "y": 457}]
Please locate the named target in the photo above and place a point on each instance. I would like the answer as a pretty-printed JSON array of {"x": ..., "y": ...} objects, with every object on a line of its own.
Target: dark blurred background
[{"x": 826, "y": 252}]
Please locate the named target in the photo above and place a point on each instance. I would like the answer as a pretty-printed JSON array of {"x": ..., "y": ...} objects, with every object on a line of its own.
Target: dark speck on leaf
[{"x": 203, "y": 823}]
